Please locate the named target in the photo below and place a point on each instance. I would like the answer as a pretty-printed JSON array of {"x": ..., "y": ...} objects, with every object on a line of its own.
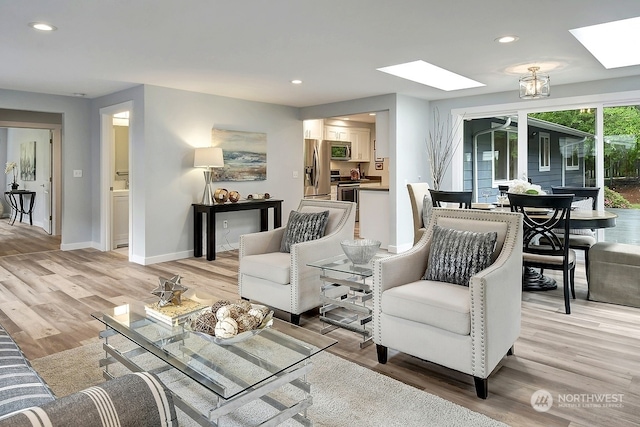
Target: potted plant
[{"x": 12, "y": 167}]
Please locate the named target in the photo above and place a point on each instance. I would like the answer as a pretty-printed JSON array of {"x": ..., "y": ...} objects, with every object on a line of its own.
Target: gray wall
[
  {"x": 164, "y": 182},
  {"x": 76, "y": 154}
]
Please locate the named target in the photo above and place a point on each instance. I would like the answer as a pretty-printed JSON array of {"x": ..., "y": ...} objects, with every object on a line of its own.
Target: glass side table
[{"x": 346, "y": 295}]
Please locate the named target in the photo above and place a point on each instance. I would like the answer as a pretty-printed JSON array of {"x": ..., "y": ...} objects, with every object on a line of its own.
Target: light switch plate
[
  {"x": 77, "y": 173},
  {"x": 294, "y": 174}
]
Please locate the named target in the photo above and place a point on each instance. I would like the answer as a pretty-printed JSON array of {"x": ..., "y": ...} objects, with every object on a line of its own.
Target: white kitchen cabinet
[
  {"x": 360, "y": 144},
  {"x": 120, "y": 227},
  {"x": 336, "y": 133},
  {"x": 313, "y": 129},
  {"x": 374, "y": 214}
]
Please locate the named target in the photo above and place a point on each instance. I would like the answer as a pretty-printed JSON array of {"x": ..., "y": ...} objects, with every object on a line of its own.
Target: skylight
[
  {"x": 614, "y": 44},
  {"x": 428, "y": 74}
]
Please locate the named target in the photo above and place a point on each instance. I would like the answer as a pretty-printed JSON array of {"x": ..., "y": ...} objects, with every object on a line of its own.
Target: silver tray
[{"x": 266, "y": 323}]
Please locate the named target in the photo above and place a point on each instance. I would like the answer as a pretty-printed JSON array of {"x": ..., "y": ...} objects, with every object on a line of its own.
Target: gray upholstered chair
[
  {"x": 283, "y": 280},
  {"x": 466, "y": 328},
  {"x": 417, "y": 191}
]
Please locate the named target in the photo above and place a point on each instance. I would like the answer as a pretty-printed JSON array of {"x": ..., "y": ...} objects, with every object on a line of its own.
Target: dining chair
[
  {"x": 417, "y": 193},
  {"x": 542, "y": 247},
  {"x": 581, "y": 239},
  {"x": 462, "y": 198}
]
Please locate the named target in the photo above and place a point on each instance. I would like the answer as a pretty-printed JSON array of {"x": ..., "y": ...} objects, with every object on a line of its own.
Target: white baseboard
[
  {"x": 161, "y": 258},
  {"x": 396, "y": 249},
  {"x": 79, "y": 245}
]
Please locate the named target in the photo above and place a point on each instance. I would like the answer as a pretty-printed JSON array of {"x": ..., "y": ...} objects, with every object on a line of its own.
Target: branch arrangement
[{"x": 441, "y": 146}]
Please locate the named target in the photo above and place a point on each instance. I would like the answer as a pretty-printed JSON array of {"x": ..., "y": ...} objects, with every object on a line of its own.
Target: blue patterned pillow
[
  {"x": 303, "y": 227},
  {"x": 456, "y": 255}
]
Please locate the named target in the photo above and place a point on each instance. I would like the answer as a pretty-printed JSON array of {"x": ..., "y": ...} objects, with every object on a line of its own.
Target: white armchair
[
  {"x": 468, "y": 329},
  {"x": 284, "y": 280}
]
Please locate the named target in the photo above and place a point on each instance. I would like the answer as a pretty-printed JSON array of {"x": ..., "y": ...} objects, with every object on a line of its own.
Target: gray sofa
[{"x": 25, "y": 399}]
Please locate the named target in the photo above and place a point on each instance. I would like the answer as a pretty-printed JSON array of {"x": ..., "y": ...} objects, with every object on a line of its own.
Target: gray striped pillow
[
  {"x": 456, "y": 255},
  {"x": 21, "y": 387},
  {"x": 303, "y": 227}
]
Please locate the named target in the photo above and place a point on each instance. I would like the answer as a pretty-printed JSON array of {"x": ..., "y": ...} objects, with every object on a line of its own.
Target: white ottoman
[{"x": 614, "y": 273}]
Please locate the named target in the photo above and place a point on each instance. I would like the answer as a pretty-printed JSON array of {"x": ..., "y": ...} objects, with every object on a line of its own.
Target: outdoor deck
[{"x": 627, "y": 229}]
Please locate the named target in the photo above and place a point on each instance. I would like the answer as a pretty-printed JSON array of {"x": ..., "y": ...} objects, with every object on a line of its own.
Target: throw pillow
[
  {"x": 303, "y": 227},
  {"x": 456, "y": 255},
  {"x": 427, "y": 206}
]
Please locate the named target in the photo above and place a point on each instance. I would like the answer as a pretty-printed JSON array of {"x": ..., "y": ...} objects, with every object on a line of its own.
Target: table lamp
[{"x": 209, "y": 158}]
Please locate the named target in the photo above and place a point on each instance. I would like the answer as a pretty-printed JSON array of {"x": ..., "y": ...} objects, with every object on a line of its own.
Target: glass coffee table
[
  {"x": 236, "y": 374},
  {"x": 346, "y": 295}
]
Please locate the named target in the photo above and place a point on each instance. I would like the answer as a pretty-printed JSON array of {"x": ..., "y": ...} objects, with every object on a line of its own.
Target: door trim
[{"x": 106, "y": 165}]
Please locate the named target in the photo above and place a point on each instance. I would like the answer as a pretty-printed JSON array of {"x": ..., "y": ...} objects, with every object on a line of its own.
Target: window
[
  {"x": 544, "y": 151},
  {"x": 571, "y": 157},
  {"x": 505, "y": 155}
]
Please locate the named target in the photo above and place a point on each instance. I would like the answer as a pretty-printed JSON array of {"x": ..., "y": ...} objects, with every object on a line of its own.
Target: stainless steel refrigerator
[{"x": 317, "y": 169}]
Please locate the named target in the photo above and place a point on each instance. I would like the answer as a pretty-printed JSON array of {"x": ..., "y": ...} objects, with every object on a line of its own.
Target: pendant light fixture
[{"x": 535, "y": 85}]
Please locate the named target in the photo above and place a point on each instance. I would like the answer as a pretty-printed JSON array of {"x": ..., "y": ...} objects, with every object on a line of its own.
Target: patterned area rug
[{"x": 344, "y": 394}]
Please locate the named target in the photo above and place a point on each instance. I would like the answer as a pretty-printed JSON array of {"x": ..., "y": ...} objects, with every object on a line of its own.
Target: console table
[
  {"x": 198, "y": 209},
  {"x": 15, "y": 198}
]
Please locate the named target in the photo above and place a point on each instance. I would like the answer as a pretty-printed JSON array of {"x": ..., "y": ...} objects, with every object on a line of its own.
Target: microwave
[{"x": 340, "y": 150}]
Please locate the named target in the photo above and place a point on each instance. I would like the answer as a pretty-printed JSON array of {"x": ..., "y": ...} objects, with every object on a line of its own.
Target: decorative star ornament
[{"x": 170, "y": 291}]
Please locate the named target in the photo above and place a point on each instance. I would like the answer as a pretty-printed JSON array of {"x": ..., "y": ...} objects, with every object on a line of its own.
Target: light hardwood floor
[{"x": 47, "y": 295}]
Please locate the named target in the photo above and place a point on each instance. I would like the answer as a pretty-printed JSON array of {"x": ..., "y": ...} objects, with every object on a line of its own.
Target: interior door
[{"x": 47, "y": 217}]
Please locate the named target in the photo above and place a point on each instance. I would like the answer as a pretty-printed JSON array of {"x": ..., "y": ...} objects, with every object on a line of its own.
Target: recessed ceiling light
[
  {"x": 430, "y": 75},
  {"x": 614, "y": 44},
  {"x": 372, "y": 114},
  {"x": 42, "y": 26},
  {"x": 79, "y": 95},
  {"x": 296, "y": 82},
  {"x": 507, "y": 39},
  {"x": 345, "y": 118}
]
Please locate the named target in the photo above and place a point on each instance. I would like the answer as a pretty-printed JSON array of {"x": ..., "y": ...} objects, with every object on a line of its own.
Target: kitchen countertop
[{"x": 378, "y": 188}]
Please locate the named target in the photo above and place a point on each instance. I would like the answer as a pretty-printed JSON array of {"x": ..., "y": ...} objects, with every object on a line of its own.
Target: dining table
[{"x": 533, "y": 280}]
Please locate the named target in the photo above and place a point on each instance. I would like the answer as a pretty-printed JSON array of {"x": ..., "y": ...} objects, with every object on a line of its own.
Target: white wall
[
  {"x": 15, "y": 137},
  {"x": 76, "y": 154}
]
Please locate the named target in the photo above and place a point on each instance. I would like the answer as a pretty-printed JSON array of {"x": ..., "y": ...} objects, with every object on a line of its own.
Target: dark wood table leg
[
  {"x": 21, "y": 207},
  {"x": 197, "y": 233},
  {"x": 211, "y": 235},
  {"x": 264, "y": 219},
  {"x": 31, "y": 203},
  {"x": 277, "y": 216}
]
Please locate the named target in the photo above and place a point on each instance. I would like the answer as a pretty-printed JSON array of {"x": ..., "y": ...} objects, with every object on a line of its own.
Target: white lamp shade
[{"x": 208, "y": 157}]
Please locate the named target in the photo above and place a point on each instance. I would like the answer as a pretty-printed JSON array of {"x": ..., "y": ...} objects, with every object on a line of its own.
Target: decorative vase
[
  {"x": 221, "y": 195},
  {"x": 234, "y": 196},
  {"x": 14, "y": 186}
]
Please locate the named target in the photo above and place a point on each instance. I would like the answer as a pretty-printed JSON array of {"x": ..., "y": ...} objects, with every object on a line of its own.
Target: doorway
[
  {"x": 116, "y": 189},
  {"x": 36, "y": 149}
]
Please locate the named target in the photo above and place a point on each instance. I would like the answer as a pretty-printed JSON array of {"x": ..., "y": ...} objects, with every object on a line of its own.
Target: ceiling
[{"x": 252, "y": 49}]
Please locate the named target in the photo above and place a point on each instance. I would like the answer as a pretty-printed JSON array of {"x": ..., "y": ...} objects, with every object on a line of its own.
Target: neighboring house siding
[{"x": 545, "y": 179}]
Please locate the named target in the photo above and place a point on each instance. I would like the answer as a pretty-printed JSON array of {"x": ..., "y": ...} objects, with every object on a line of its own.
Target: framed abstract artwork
[
  {"x": 245, "y": 155},
  {"x": 28, "y": 161}
]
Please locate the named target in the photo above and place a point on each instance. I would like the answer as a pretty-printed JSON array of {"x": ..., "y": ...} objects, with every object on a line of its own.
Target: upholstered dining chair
[
  {"x": 462, "y": 198},
  {"x": 584, "y": 198},
  {"x": 543, "y": 246},
  {"x": 417, "y": 193},
  {"x": 454, "y": 298},
  {"x": 283, "y": 280}
]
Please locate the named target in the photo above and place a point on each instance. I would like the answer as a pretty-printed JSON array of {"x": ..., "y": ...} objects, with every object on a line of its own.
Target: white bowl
[{"x": 360, "y": 251}]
